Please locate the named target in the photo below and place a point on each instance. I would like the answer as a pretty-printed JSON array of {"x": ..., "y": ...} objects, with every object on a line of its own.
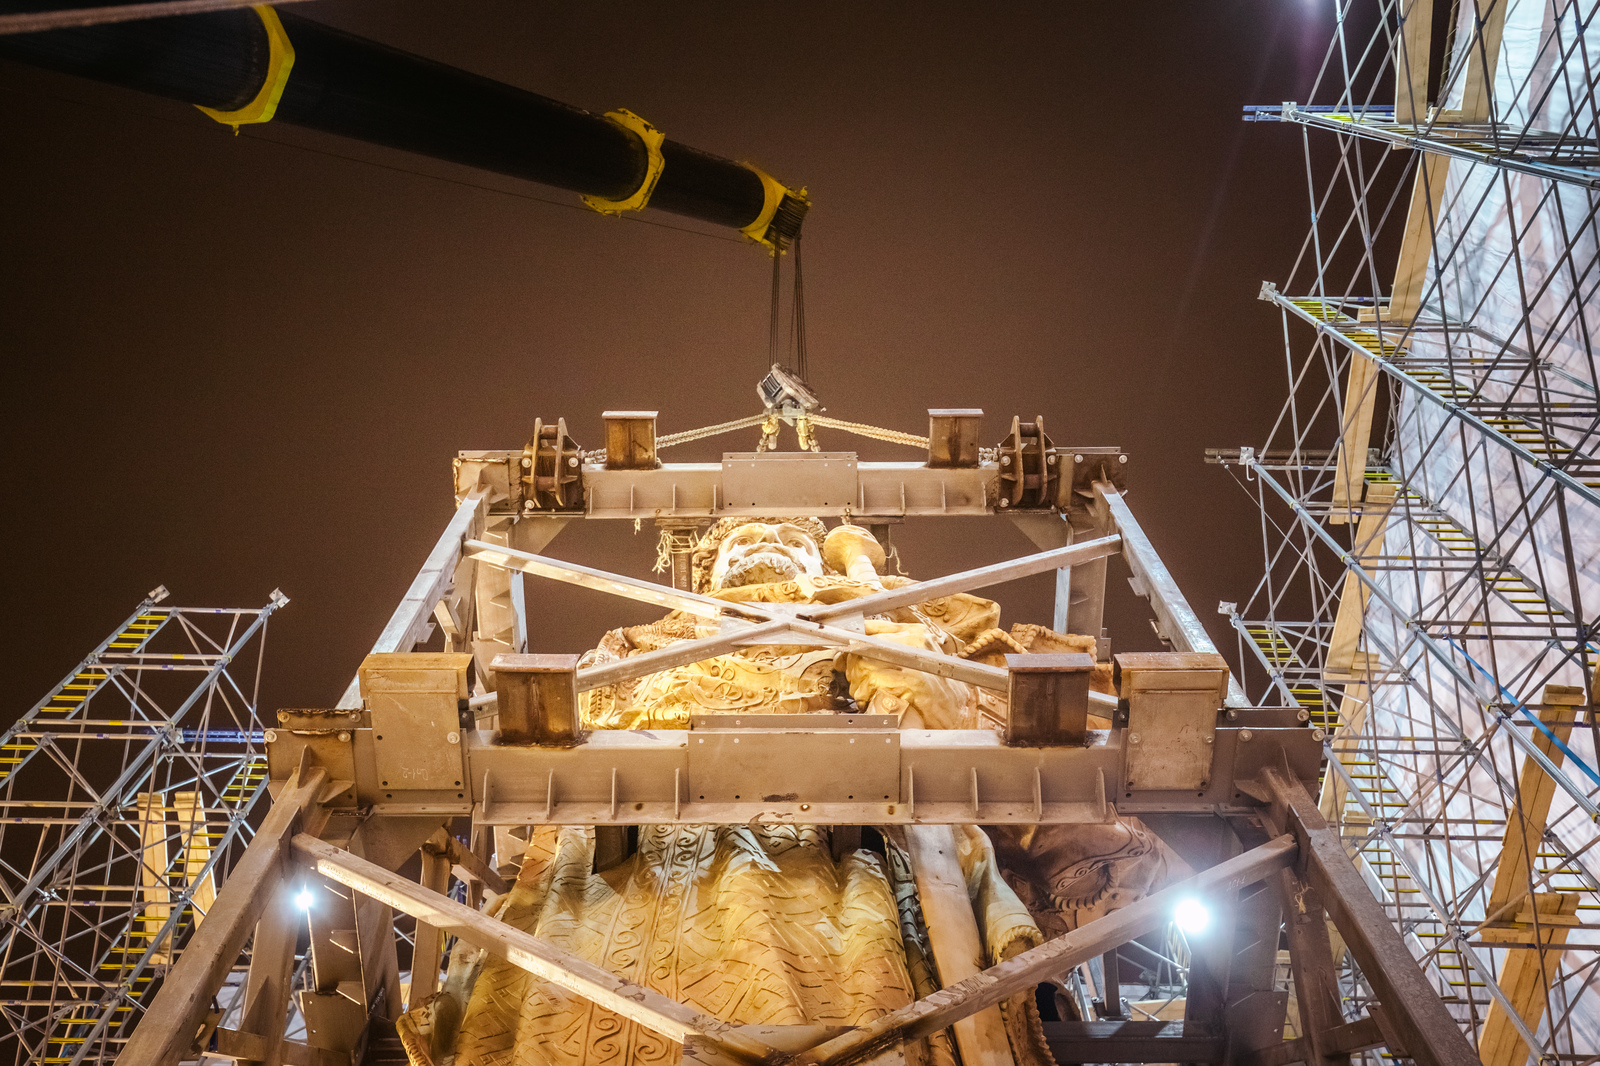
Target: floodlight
[{"x": 1192, "y": 916}]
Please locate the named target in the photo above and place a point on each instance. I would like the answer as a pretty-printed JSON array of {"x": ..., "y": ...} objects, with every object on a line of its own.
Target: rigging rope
[
  {"x": 893, "y": 436},
  {"x": 860, "y": 429},
  {"x": 687, "y": 435}
]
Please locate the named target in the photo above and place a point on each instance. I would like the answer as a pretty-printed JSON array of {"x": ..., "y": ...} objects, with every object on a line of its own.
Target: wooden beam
[
  {"x": 1528, "y": 972},
  {"x": 1355, "y": 436},
  {"x": 168, "y": 1029},
  {"x": 954, "y": 936},
  {"x": 153, "y": 888},
  {"x": 982, "y": 577},
  {"x": 1416, "y": 243},
  {"x": 1051, "y": 959},
  {"x": 195, "y": 842},
  {"x": 1353, "y": 705},
  {"x": 435, "y": 877},
  {"x": 1316, "y": 982},
  {"x": 467, "y": 865},
  {"x": 649, "y": 1009},
  {"x": 1525, "y": 824},
  {"x": 1483, "y": 58},
  {"x": 1527, "y": 976},
  {"x": 1413, "y": 45},
  {"x": 1417, "y": 1015},
  {"x": 1352, "y": 610}
]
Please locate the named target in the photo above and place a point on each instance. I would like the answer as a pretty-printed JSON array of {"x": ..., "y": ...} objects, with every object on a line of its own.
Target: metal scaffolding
[
  {"x": 1430, "y": 497},
  {"x": 125, "y": 798}
]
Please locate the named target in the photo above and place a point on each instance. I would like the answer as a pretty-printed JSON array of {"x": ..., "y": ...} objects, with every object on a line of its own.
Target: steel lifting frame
[
  {"x": 125, "y": 798},
  {"x": 1445, "y": 636},
  {"x": 334, "y": 818}
]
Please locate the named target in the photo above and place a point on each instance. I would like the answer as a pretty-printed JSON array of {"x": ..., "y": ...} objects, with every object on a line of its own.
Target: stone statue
[{"x": 761, "y": 924}]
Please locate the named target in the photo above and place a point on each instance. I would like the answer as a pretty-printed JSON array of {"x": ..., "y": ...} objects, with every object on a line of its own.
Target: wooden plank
[
  {"x": 153, "y": 888},
  {"x": 169, "y": 1027},
  {"x": 1353, "y": 601},
  {"x": 1526, "y": 979},
  {"x": 1528, "y": 972},
  {"x": 1526, "y": 824},
  {"x": 602, "y": 581},
  {"x": 954, "y": 936},
  {"x": 1355, "y": 436},
  {"x": 680, "y": 653},
  {"x": 1413, "y": 46},
  {"x": 1050, "y": 960},
  {"x": 805, "y": 631},
  {"x": 195, "y": 842},
  {"x": 545, "y": 961},
  {"x": 1416, "y": 242},
  {"x": 1483, "y": 59}
]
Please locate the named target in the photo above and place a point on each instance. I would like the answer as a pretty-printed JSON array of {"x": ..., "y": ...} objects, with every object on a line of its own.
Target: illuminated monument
[{"x": 820, "y": 812}]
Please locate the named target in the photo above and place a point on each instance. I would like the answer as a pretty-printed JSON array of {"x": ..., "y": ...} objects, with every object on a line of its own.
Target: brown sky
[{"x": 240, "y": 363}]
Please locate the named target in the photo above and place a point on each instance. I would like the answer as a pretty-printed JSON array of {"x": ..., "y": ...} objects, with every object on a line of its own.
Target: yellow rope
[
  {"x": 860, "y": 429},
  {"x": 687, "y": 435},
  {"x": 892, "y": 436}
]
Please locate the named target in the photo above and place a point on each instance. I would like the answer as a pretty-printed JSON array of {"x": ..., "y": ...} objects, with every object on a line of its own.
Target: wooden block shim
[
  {"x": 953, "y": 436},
  {"x": 1048, "y": 698},
  {"x": 630, "y": 440},
  {"x": 1168, "y": 670},
  {"x": 537, "y": 697}
]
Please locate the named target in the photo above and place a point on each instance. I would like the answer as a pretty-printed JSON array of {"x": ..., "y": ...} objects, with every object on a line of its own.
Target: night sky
[{"x": 234, "y": 364}]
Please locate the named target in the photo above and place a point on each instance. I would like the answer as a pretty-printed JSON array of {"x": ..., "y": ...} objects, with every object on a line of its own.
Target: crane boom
[{"x": 257, "y": 64}]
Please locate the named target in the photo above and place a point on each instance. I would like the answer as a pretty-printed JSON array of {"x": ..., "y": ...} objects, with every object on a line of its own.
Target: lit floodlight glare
[
  {"x": 1192, "y": 916},
  {"x": 302, "y": 899}
]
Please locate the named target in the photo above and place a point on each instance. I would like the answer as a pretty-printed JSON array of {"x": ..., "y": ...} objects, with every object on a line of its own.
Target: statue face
[{"x": 758, "y": 553}]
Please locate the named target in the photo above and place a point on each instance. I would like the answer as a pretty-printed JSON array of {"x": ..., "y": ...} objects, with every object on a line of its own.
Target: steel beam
[
  {"x": 1131, "y": 1041},
  {"x": 846, "y": 770},
  {"x": 967, "y": 580},
  {"x": 1178, "y": 623},
  {"x": 409, "y": 623}
]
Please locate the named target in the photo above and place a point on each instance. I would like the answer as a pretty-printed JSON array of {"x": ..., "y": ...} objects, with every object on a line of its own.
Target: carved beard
[{"x": 759, "y": 568}]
